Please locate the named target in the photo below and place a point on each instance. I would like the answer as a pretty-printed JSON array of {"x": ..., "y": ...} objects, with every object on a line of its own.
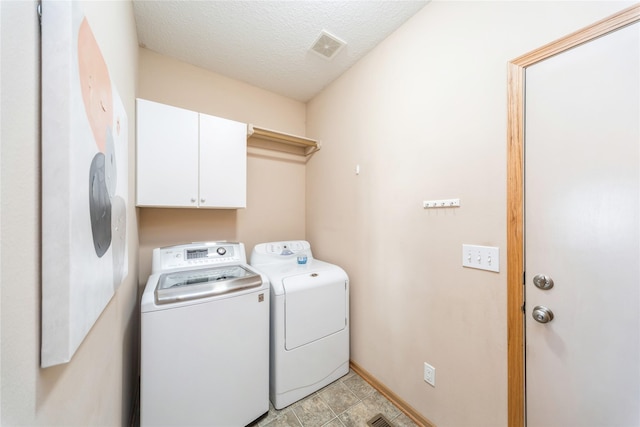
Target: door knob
[
  {"x": 542, "y": 314},
  {"x": 543, "y": 281}
]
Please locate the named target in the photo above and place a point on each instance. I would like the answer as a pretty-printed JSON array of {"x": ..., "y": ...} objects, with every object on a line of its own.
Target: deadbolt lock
[{"x": 543, "y": 282}]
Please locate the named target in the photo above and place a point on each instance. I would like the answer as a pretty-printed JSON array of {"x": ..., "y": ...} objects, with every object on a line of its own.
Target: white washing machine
[
  {"x": 205, "y": 338},
  {"x": 309, "y": 345}
]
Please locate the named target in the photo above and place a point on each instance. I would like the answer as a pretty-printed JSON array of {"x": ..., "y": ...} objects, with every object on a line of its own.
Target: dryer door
[{"x": 315, "y": 306}]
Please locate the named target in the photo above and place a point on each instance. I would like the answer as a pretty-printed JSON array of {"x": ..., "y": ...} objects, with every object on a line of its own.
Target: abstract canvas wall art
[{"x": 84, "y": 182}]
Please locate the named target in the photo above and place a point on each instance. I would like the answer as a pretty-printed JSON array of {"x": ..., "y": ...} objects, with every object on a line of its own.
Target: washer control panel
[{"x": 195, "y": 255}]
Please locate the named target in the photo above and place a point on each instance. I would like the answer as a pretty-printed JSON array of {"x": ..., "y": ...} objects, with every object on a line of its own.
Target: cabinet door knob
[
  {"x": 193, "y": 200},
  {"x": 202, "y": 200}
]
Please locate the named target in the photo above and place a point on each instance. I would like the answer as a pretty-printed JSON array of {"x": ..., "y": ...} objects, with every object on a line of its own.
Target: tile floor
[{"x": 348, "y": 402}]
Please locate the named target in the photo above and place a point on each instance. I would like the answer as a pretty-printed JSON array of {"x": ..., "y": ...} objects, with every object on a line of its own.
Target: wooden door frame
[{"x": 515, "y": 197}]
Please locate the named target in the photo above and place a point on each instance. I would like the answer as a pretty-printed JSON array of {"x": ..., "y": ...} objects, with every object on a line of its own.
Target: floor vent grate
[{"x": 379, "y": 421}]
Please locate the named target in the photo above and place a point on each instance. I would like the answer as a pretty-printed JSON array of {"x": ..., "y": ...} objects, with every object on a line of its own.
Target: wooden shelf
[{"x": 279, "y": 141}]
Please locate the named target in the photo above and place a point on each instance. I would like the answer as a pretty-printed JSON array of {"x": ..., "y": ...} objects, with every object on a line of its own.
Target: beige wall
[
  {"x": 424, "y": 115},
  {"x": 275, "y": 183},
  {"x": 96, "y": 387}
]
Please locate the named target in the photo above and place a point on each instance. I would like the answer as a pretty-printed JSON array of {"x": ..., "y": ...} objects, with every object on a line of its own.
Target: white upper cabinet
[
  {"x": 223, "y": 163},
  {"x": 189, "y": 159},
  {"x": 167, "y": 156}
]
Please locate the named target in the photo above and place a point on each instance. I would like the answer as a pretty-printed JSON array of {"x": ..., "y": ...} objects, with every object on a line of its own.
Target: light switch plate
[{"x": 481, "y": 257}]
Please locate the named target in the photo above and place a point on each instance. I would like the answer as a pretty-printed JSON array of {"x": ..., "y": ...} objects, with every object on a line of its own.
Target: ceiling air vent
[{"x": 327, "y": 45}]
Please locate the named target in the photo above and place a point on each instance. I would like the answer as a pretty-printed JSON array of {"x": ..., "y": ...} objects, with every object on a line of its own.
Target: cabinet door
[
  {"x": 167, "y": 157},
  {"x": 223, "y": 163}
]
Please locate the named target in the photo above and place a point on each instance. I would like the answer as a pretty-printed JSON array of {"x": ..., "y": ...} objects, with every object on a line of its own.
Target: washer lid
[{"x": 202, "y": 283}]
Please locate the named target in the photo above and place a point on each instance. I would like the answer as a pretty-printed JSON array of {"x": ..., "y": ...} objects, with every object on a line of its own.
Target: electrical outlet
[{"x": 429, "y": 374}]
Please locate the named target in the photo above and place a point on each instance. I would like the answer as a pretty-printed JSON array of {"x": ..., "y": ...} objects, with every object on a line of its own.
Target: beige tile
[
  {"x": 348, "y": 375},
  {"x": 334, "y": 423},
  {"x": 338, "y": 397},
  {"x": 403, "y": 420},
  {"x": 313, "y": 412},
  {"x": 285, "y": 419},
  {"x": 358, "y": 386},
  {"x": 378, "y": 403},
  {"x": 358, "y": 415},
  {"x": 353, "y": 400}
]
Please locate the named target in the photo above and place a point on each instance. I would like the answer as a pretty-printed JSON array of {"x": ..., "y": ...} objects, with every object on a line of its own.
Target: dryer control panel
[
  {"x": 197, "y": 255},
  {"x": 286, "y": 248},
  {"x": 274, "y": 252}
]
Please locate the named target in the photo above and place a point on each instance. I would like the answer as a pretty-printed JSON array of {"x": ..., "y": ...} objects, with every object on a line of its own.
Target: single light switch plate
[{"x": 481, "y": 257}]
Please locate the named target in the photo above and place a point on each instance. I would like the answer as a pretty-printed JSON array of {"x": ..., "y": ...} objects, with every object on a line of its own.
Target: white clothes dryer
[
  {"x": 204, "y": 338},
  {"x": 309, "y": 340}
]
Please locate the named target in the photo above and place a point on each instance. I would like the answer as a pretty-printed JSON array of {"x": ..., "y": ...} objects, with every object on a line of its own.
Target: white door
[{"x": 582, "y": 174}]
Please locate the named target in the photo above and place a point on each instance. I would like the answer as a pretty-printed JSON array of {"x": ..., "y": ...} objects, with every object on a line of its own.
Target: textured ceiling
[{"x": 267, "y": 43}]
